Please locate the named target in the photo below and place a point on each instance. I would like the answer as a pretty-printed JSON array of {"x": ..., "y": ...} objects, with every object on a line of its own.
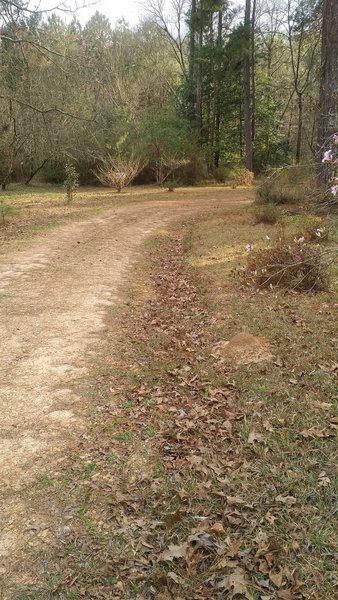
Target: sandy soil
[{"x": 54, "y": 294}]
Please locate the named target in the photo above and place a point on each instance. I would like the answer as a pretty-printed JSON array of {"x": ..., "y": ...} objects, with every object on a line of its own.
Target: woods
[{"x": 208, "y": 85}]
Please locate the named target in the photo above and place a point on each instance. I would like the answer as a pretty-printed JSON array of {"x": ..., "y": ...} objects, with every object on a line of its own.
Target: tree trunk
[
  {"x": 299, "y": 128},
  {"x": 198, "y": 116},
  {"x": 218, "y": 91},
  {"x": 192, "y": 62},
  {"x": 247, "y": 90},
  {"x": 253, "y": 74},
  {"x": 27, "y": 182},
  {"x": 327, "y": 117}
]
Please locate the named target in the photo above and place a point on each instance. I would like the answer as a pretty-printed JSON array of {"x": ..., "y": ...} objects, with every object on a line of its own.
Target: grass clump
[
  {"x": 289, "y": 265},
  {"x": 268, "y": 214}
]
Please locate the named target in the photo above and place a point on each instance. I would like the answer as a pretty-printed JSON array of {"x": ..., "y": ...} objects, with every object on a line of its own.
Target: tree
[
  {"x": 327, "y": 118},
  {"x": 303, "y": 38},
  {"x": 247, "y": 88}
]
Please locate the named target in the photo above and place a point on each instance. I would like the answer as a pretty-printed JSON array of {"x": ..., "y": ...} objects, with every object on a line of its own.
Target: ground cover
[{"x": 201, "y": 477}]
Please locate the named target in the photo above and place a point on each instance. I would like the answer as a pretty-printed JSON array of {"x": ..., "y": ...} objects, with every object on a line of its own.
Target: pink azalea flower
[
  {"x": 334, "y": 190},
  {"x": 327, "y": 156}
]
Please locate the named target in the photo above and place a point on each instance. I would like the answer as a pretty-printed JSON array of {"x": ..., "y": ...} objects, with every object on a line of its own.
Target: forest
[{"x": 195, "y": 91}]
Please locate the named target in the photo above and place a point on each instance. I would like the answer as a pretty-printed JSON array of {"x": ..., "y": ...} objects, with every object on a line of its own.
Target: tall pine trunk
[
  {"x": 247, "y": 88},
  {"x": 218, "y": 90},
  {"x": 327, "y": 118}
]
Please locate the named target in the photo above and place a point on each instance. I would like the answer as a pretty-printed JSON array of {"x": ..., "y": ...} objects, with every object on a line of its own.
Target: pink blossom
[
  {"x": 334, "y": 190},
  {"x": 298, "y": 258},
  {"x": 249, "y": 247},
  {"x": 319, "y": 232},
  {"x": 327, "y": 156}
]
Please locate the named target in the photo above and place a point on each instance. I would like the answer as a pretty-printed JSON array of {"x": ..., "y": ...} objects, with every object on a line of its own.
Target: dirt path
[{"x": 53, "y": 298}]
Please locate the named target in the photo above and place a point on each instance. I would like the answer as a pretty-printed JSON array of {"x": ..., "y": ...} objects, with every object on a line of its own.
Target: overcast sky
[{"x": 130, "y": 10}]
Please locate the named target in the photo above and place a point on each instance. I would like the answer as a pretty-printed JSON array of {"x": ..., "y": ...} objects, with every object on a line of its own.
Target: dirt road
[{"x": 54, "y": 295}]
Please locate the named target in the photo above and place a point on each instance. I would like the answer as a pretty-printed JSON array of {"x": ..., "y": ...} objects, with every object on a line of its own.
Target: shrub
[
  {"x": 71, "y": 183},
  {"x": 220, "y": 174},
  {"x": 118, "y": 172},
  {"x": 268, "y": 214},
  {"x": 243, "y": 176},
  {"x": 289, "y": 265},
  {"x": 171, "y": 184}
]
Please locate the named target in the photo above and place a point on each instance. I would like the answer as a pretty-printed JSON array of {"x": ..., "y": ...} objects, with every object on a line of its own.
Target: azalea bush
[
  {"x": 313, "y": 229},
  {"x": 330, "y": 158},
  {"x": 118, "y": 172},
  {"x": 292, "y": 265}
]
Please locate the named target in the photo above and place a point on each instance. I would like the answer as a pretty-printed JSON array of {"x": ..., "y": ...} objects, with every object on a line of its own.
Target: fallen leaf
[
  {"x": 285, "y": 595},
  {"x": 276, "y": 578},
  {"x": 315, "y": 432},
  {"x": 238, "y": 583},
  {"x": 217, "y": 528},
  {"x": 174, "y": 551},
  {"x": 176, "y": 578},
  {"x": 289, "y": 500},
  {"x": 255, "y": 437}
]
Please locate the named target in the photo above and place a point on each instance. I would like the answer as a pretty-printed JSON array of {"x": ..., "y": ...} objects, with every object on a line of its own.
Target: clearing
[{"x": 141, "y": 455}]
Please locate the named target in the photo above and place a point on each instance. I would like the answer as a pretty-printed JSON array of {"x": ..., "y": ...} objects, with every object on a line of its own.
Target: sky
[{"x": 130, "y": 10}]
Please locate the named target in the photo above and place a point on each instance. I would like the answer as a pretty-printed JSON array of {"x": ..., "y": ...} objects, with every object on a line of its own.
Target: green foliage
[
  {"x": 164, "y": 140},
  {"x": 268, "y": 214},
  {"x": 71, "y": 182},
  {"x": 53, "y": 172}
]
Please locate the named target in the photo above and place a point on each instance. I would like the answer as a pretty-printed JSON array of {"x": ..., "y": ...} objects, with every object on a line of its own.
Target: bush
[
  {"x": 220, "y": 174},
  {"x": 268, "y": 214},
  {"x": 71, "y": 183},
  {"x": 118, "y": 172},
  {"x": 242, "y": 176},
  {"x": 289, "y": 265}
]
